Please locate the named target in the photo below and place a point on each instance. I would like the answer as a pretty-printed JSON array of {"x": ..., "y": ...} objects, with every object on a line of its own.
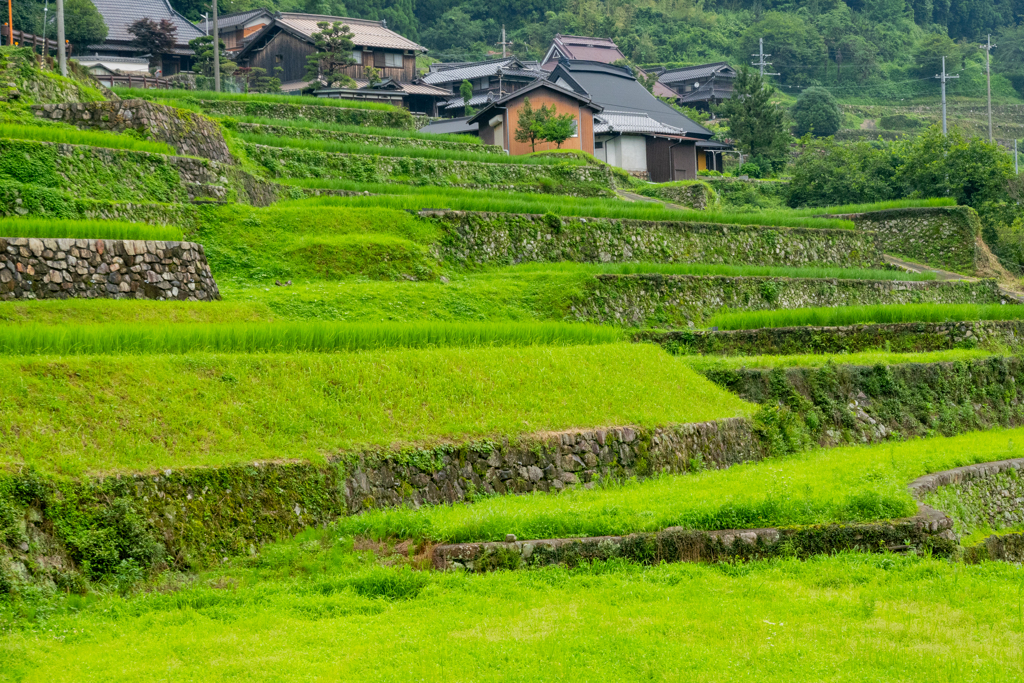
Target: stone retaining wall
[
  {"x": 943, "y": 237},
  {"x": 681, "y": 301},
  {"x": 473, "y": 238},
  {"x": 693, "y": 194},
  {"x": 191, "y": 134},
  {"x": 393, "y": 118},
  {"x": 112, "y": 269},
  {"x": 361, "y": 138},
  {"x": 896, "y": 337},
  {"x": 307, "y": 163}
]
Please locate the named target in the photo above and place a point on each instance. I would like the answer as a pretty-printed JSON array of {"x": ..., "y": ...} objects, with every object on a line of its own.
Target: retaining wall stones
[
  {"x": 307, "y": 163},
  {"x": 191, "y": 134},
  {"x": 112, "y": 269},
  {"x": 361, "y": 138},
  {"x": 943, "y": 237},
  {"x": 395, "y": 118},
  {"x": 837, "y": 404},
  {"x": 680, "y": 301},
  {"x": 694, "y": 194},
  {"x": 896, "y": 337},
  {"x": 473, "y": 238}
]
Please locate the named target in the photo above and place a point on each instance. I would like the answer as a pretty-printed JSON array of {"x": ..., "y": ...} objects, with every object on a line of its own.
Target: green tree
[
  {"x": 755, "y": 122},
  {"x": 530, "y": 124},
  {"x": 466, "y": 90},
  {"x": 791, "y": 40},
  {"x": 557, "y": 128},
  {"x": 153, "y": 38},
  {"x": 255, "y": 79},
  {"x": 83, "y": 25},
  {"x": 326, "y": 66},
  {"x": 928, "y": 54},
  {"x": 817, "y": 111},
  {"x": 827, "y": 173},
  {"x": 203, "y": 60}
]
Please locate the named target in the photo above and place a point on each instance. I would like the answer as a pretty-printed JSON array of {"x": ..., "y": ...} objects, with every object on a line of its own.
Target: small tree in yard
[
  {"x": 203, "y": 60},
  {"x": 255, "y": 79},
  {"x": 466, "y": 90},
  {"x": 558, "y": 128},
  {"x": 333, "y": 55},
  {"x": 152, "y": 38},
  {"x": 755, "y": 122},
  {"x": 816, "y": 111},
  {"x": 528, "y": 128}
]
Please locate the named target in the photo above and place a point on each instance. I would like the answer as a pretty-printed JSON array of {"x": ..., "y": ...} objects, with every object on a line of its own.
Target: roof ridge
[{"x": 307, "y": 16}]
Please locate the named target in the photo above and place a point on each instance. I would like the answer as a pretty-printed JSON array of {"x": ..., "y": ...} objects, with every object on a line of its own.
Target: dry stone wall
[
  {"x": 896, "y": 337},
  {"x": 111, "y": 269},
  {"x": 943, "y": 237},
  {"x": 191, "y": 134},
  {"x": 681, "y": 301},
  {"x": 472, "y": 238}
]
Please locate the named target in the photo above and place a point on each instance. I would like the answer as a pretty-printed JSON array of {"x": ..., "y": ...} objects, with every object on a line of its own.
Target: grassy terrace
[
  {"x": 412, "y": 198},
  {"x": 853, "y": 315},
  {"x": 312, "y": 608},
  {"x": 851, "y": 484},
  {"x": 358, "y": 130},
  {"x": 216, "y": 409},
  {"x": 191, "y": 96},
  {"x": 714, "y": 269},
  {"x": 73, "y": 136},
  {"x": 817, "y": 360},
  {"x": 55, "y": 228},
  {"x": 877, "y": 206},
  {"x": 332, "y": 147}
]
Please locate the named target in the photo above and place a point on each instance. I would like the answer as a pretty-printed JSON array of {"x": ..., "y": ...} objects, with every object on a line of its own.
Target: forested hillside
[{"x": 862, "y": 49}]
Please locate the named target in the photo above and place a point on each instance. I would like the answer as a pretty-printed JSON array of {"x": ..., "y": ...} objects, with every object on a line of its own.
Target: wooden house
[
  {"x": 700, "y": 86},
  {"x": 490, "y": 80},
  {"x": 238, "y": 28},
  {"x": 286, "y": 42},
  {"x": 498, "y": 120},
  {"x": 118, "y": 15}
]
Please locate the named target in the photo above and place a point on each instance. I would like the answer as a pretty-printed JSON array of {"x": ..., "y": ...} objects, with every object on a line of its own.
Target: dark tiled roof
[
  {"x": 118, "y": 15},
  {"x": 720, "y": 90},
  {"x": 226, "y": 22},
  {"x": 632, "y": 122},
  {"x": 459, "y": 125},
  {"x": 539, "y": 83},
  {"x": 688, "y": 73},
  {"x": 468, "y": 71},
  {"x": 615, "y": 88}
]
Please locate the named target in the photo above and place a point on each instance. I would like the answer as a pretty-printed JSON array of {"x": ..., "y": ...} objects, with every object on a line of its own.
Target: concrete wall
[{"x": 628, "y": 152}]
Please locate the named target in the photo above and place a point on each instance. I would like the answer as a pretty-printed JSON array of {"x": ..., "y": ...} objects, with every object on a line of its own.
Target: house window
[
  {"x": 485, "y": 83},
  {"x": 357, "y": 57},
  {"x": 598, "y": 145},
  {"x": 278, "y": 59},
  {"x": 393, "y": 59}
]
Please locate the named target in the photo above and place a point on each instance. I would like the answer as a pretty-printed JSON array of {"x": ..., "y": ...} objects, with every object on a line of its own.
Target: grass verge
[
  {"x": 81, "y": 414},
  {"x": 91, "y": 138},
  {"x": 57, "y": 228},
  {"x": 876, "y": 206},
  {"x": 358, "y": 130},
  {"x": 853, "y": 315},
  {"x": 840, "y": 485},
  {"x": 200, "y": 95},
  {"x": 812, "y": 360}
]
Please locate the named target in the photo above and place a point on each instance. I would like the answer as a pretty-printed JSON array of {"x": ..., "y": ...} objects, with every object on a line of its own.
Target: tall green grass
[
  {"x": 853, "y": 315},
  {"x": 717, "y": 269},
  {"x": 876, "y": 206},
  {"x": 412, "y": 198},
  {"x": 332, "y": 147},
  {"x": 125, "y": 339},
  {"x": 91, "y": 138},
  {"x": 201, "y": 95},
  {"x": 59, "y": 228},
  {"x": 359, "y": 130},
  {"x": 706, "y": 364}
]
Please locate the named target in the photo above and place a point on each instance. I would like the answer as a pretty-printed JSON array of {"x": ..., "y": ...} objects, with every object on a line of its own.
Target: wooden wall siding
[
  {"x": 486, "y": 133},
  {"x": 659, "y": 163},
  {"x": 294, "y": 52},
  {"x": 684, "y": 161},
  {"x": 563, "y": 105}
]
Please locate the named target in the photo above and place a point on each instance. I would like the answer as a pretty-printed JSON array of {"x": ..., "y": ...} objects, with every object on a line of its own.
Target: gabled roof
[
  {"x": 526, "y": 90},
  {"x": 459, "y": 125},
  {"x": 469, "y": 71},
  {"x": 632, "y": 122},
  {"x": 228, "y": 22},
  {"x": 475, "y": 101},
  {"x": 708, "y": 91},
  {"x": 365, "y": 33},
  {"x": 118, "y": 15},
  {"x": 615, "y": 89},
  {"x": 601, "y": 50},
  {"x": 688, "y": 73}
]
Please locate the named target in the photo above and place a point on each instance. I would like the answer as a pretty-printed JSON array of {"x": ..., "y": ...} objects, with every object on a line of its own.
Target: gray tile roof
[
  {"x": 615, "y": 89},
  {"x": 632, "y": 122},
  {"x": 475, "y": 101},
  {"x": 365, "y": 33},
  {"x": 459, "y": 125},
  {"x": 688, "y": 73},
  {"x": 721, "y": 90},
  {"x": 226, "y": 22},
  {"x": 467, "y": 72},
  {"x": 118, "y": 15}
]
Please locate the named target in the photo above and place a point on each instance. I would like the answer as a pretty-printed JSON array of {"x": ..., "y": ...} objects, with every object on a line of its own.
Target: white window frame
[{"x": 358, "y": 56}]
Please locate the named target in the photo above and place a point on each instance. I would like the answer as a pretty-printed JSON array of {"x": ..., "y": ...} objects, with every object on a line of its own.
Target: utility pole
[
  {"x": 1016, "y": 159},
  {"x": 10, "y": 23},
  {"x": 760, "y": 63},
  {"x": 987, "y": 47},
  {"x": 504, "y": 43},
  {"x": 62, "y": 58},
  {"x": 216, "y": 51},
  {"x": 944, "y": 78}
]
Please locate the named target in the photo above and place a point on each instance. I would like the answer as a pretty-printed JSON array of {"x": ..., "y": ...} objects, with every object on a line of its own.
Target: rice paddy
[
  {"x": 59, "y": 228},
  {"x": 356, "y": 130},
  {"x": 91, "y": 138},
  {"x": 876, "y": 206},
  {"x": 853, "y": 315},
  {"x": 295, "y": 337},
  {"x": 333, "y": 147},
  {"x": 195, "y": 96},
  {"x": 816, "y": 360}
]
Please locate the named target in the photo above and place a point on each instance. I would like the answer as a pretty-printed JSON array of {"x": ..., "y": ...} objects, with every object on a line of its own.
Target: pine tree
[
  {"x": 756, "y": 124},
  {"x": 333, "y": 55}
]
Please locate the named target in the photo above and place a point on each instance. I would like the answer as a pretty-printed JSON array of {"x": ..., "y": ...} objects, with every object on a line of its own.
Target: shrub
[{"x": 816, "y": 111}]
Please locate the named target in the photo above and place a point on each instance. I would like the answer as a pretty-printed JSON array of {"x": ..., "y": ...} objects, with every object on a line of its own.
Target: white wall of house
[{"x": 628, "y": 152}]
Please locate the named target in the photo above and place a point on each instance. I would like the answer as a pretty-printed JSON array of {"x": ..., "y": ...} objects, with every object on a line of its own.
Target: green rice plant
[
  {"x": 360, "y": 130},
  {"x": 707, "y": 269},
  {"x": 310, "y": 337},
  {"x": 853, "y": 315},
  {"x": 91, "y": 138},
  {"x": 876, "y": 206},
  {"x": 821, "y": 486},
  {"x": 332, "y": 147},
  {"x": 201, "y": 95},
  {"x": 704, "y": 364},
  {"x": 412, "y": 198},
  {"x": 59, "y": 228}
]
